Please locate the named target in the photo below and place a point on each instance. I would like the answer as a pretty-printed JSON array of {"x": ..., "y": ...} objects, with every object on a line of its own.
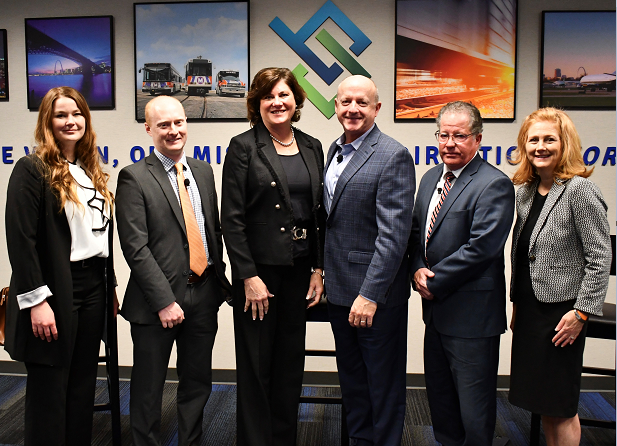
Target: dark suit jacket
[
  {"x": 465, "y": 250},
  {"x": 153, "y": 237},
  {"x": 369, "y": 222},
  {"x": 39, "y": 246},
  {"x": 256, "y": 207}
]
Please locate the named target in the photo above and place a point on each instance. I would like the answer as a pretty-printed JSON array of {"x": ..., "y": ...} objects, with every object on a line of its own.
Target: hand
[
  {"x": 513, "y": 317},
  {"x": 362, "y": 312},
  {"x": 171, "y": 315},
  {"x": 315, "y": 288},
  {"x": 419, "y": 278},
  {"x": 43, "y": 322},
  {"x": 116, "y": 304},
  {"x": 568, "y": 329},
  {"x": 257, "y": 296}
]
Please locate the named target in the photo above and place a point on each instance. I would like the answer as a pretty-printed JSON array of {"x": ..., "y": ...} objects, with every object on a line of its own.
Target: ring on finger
[{"x": 572, "y": 337}]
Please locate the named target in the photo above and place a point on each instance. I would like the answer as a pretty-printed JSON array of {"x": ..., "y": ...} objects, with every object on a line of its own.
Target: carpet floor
[{"x": 318, "y": 424}]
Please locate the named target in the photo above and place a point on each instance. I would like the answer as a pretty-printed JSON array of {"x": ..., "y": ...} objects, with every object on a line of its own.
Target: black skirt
[{"x": 544, "y": 379}]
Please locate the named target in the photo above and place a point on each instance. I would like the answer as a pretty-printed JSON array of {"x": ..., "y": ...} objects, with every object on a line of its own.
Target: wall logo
[{"x": 329, "y": 74}]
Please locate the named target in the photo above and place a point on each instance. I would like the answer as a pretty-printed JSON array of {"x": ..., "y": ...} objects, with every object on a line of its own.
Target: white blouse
[{"x": 89, "y": 225}]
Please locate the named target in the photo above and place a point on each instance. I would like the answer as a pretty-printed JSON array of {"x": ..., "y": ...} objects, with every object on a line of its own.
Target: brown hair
[
  {"x": 53, "y": 163},
  {"x": 571, "y": 162},
  {"x": 263, "y": 83}
]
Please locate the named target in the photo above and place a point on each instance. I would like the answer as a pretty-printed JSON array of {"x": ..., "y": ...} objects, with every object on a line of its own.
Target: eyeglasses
[{"x": 458, "y": 138}]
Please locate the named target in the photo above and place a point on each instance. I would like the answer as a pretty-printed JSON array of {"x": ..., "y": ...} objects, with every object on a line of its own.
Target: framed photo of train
[
  {"x": 578, "y": 60},
  {"x": 448, "y": 50},
  {"x": 197, "y": 52},
  {"x": 74, "y": 51},
  {"x": 4, "y": 67}
]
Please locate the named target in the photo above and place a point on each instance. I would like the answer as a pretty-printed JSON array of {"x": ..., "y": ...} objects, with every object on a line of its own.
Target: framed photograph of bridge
[
  {"x": 196, "y": 52},
  {"x": 578, "y": 60},
  {"x": 4, "y": 67},
  {"x": 448, "y": 50},
  {"x": 76, "y": 52}
]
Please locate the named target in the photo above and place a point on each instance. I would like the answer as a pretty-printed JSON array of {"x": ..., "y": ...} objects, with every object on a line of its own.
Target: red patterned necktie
[
  {"x": 444, "y": 193},
  {"x": 197, "y": 252}
]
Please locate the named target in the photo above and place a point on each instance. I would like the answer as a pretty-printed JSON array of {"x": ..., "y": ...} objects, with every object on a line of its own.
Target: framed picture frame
[
  {"x": 447, "y": 50},
  {"x": 197, "y": 52},
  {"x": 578, "y": 60},
  {"x": 76, "y": 52},
  {"x": 4, "y": 67}
]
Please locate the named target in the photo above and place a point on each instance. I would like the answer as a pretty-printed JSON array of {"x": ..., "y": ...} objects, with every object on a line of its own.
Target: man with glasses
[{"x": 462, "y": 218}]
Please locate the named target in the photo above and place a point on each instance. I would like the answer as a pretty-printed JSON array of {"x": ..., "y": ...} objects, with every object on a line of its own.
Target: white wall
[{"x": 118, "y": 130}]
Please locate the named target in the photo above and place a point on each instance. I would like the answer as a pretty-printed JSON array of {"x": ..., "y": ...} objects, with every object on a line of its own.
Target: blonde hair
[
  {"x": 53, "y": 164},
  {"x": 571, "y": 162}
]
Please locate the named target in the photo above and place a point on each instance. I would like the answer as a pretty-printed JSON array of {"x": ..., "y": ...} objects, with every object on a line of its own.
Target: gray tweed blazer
[{"x": 570, "y": 249}]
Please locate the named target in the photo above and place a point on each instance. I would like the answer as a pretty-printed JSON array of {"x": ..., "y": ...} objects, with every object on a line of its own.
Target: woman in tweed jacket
[{"x": 561, "y": 256}]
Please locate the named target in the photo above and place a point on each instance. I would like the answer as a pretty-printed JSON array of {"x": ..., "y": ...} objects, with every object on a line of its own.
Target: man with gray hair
[{"x": 463, "y": 214}]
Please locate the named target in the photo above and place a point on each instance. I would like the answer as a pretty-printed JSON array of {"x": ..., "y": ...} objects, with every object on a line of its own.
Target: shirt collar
[
  {"x": 357, "y": 142},
  {"x": 168, "y": 163},
  {"x": 456, "y": 172}
]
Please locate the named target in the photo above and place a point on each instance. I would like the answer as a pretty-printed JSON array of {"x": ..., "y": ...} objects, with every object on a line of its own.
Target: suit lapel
[
  {"x": 428, "y": 188},
  {"x": 158, "y": 172},
  {"x": 553, "y": 196},
  {"x": 523, "y": 206},
  {"x": 308, "y": 155},
  {"x": 460, "y": 184},
  {"x": 363, "y": 153}
]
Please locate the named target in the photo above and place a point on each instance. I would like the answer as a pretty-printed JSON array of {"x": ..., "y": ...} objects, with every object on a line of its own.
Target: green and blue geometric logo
[{"x": 297, "y": 42}]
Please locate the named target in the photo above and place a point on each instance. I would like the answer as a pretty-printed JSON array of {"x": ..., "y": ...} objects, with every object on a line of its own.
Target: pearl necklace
[{"x": 281, "y": 142}]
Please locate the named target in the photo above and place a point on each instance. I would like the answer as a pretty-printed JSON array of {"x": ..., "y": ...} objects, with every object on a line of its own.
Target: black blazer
[
  {"x": 256, "y": 209},
  {"x": 39, "y": 246},
  {"x": 153, "y": 237}
]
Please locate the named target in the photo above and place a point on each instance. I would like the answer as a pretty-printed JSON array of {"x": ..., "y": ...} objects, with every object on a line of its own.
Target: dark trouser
[
  {"x": 270, "y": 358},
  {"x": 152, "y": 346},
  {"x": 60, "y": 400},
  {"x": 372, "y": 368},
  {"x": 461, "y": 385}
]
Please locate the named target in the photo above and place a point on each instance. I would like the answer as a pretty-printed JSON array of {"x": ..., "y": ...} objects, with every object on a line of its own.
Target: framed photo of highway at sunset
[
  {"x": 449, "y": 50},
  {"x": 578, "y": 60},
  {"x": 196, "y": 52},
  {"x": 76, "y": 52},
  {"x": 4, "y": 68}
]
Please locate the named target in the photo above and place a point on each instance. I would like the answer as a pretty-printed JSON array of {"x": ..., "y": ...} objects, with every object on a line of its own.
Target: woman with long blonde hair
[{"x": 59, "y": 239}]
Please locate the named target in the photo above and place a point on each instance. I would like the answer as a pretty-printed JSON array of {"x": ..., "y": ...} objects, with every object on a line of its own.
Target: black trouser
[
  {"x": 270, "y": 357},
  {"x": 60, "y": 400},
  {"x": 152, "y": 346}
]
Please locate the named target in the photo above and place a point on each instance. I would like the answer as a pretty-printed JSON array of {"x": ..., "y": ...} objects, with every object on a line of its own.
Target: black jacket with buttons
[{"x": 256, "y": 212}]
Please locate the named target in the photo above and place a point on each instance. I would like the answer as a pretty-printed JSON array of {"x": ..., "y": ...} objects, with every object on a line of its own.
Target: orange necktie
[{"x": 197, "y": 252}]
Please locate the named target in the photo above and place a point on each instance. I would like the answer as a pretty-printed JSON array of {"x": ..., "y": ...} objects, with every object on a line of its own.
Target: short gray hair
[{"x": 475, "y": 119}]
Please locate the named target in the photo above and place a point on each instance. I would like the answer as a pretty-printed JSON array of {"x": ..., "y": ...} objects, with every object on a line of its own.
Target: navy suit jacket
[
  {"x": 465, "y": 250},
  {"x": 369, "y": 223}
]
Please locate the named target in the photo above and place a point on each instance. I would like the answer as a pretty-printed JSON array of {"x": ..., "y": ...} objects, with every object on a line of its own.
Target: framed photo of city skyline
[
  {"x": 76, "y": 52},
  {"x": 196, "y": 52},
  {"x": 448, "y": 50},
  {"x": 578, "y": 60},
  {"x": 4, "y": 67}
]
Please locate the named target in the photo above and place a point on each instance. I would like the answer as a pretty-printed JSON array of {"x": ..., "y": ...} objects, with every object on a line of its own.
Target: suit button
[
  {"x": 532, "y": 258},
  {"x": 273, "y": 184},
  {"x": 185, "y": 273},
  {"x": 278, "y": 206},
  {"x": 186, "y": 246},
  {"x": 282, "y": 229},
  {"x": 318, "y": 206}
]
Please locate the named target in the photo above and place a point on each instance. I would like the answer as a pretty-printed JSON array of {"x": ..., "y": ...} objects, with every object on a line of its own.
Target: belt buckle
[{"x": 298, "y": 233}]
